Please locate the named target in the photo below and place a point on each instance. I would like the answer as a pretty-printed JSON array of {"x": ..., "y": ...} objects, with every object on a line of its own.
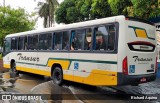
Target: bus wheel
[
  {"x": 57, "y": 76},
  {"x": 13, "y": 70}
]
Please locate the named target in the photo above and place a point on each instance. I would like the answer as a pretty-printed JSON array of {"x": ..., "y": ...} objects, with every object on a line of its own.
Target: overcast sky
[{"x": 28, "y": 5}]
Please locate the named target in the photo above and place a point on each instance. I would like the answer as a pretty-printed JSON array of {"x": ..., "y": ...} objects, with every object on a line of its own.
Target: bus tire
[
  {"x": 57, "y": 76},
  {"x": 13, "y": 70}
]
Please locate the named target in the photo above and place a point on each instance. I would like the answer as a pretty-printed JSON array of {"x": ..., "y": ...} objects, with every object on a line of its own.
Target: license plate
[{"x": 143, "y": 80}]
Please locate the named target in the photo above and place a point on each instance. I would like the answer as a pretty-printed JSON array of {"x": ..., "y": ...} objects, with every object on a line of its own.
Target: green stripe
[
  {"x": 79, "y": 60},
  {"x": 136, "y": 28}
]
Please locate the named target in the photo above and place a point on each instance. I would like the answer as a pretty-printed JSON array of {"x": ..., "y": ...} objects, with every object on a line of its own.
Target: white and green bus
[{"x": 111, "y": 51}]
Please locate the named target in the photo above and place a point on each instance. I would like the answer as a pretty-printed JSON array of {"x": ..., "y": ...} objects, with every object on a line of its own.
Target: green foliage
[
  {"x": 146, "y": 8},
  {"x": 67, "y": 12},
  {"x": 80, "y": 10},
  {"x": 100, "y": 9},
  {"x": 119, "y": 7},
  {"x": 71, "y": 11},
  {"x": 13, "y": 21}
]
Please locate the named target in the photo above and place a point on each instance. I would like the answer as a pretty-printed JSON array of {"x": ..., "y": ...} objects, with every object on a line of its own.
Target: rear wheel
[{"x": 57, "y": 76}]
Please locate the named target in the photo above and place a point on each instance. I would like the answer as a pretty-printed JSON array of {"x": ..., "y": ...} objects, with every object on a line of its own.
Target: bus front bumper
[{"x": 135, "y": 79}]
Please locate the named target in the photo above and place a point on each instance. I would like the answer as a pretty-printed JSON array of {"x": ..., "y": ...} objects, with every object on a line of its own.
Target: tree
[
  {"x": 46, "y": 10},
  {"x": 145, "y": 8},
  {"x": 13, "y": 21},
  {"x": 71, "y": 11},
  {"x": 100, "y": 9},
  {"x": 80, "y": 10},
  {"x": 120, "y": 7},
  {"x": 67, "y": 12}
]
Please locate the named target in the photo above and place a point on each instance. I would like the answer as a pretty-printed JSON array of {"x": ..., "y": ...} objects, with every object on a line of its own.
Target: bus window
[
  {"x": 14, "y": 42},
  {"x": 111, "y": 37},
  {"x": 45, "y": 41},
  {"x": 49, "y": 41},
  {"x": 104, "y": 38},
  {"x": 32, "y": 42},
  {"x": 101, "y": 38},
  {"x": 20, "y": 43},
  {"x": 58, "y": 41},
  {"x": 25, "y": 43},
  {"x": 65, "y": 41},
  {"x": 88, "y": 39},
  {"x": 77, "y": 39}
]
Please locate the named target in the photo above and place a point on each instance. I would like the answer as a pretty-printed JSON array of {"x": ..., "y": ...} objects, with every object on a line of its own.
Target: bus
[{"x": 110, "y": 51}]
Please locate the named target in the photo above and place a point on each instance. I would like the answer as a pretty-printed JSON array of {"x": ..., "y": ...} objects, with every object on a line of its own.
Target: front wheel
[
  {"x": 13, "y": 70},
  {"x": 57, "y": 76}
]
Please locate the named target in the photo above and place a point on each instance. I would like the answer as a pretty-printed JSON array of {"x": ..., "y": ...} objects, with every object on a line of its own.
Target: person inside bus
[
  {"x": 100, "y": 44},
  {"x": 100, "y": 41},
  {"x": 87, "y": 43},
  {"x": 75, "y": 45}
]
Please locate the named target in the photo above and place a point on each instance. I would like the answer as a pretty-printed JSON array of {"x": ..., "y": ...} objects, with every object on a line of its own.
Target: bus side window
[
  {"x": 65, "y": 41},
  {"x": 101, "y": 38},
  {"x": 14, "y": 43},
  {"x": 25, "y": 43},
  {"x": 88, "y": 39},
  {"x": 32, "y": 42},
  {"x": 77, "y": 40},
  {"x": 111, "y": 41},
  {"x": 58, "y": 41},
  {"x": 104, "y": 37},
  {"x": 20, "y": 43},
  {"x": 41, "y": 41},
  {"x": 45, "y": 41},
  {"x": 49, "y": 41}
]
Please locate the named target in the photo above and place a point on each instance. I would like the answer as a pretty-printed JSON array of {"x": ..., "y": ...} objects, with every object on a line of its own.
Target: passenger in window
[
  {"x": 72, "y": 46},
  {"x": 75, "y": 44},
  {"x": 58, "y": 46},
  {"x": 100, "y": 41},
  {"x": 100, "y": 44},
  {"x": 88, "y": 40},
  {"x": 89, "y": 45}
]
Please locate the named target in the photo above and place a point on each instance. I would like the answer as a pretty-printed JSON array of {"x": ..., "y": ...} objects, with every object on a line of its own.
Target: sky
[{"x": 28, "y": 5}]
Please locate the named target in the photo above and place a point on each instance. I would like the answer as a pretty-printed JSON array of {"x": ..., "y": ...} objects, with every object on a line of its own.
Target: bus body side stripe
[{"x": 67, "y": 62}]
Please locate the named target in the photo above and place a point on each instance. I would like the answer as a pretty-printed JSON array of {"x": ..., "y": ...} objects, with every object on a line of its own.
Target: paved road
[
  {"x": 35, "y": 84},
  {"x": 77, "y": 93}
]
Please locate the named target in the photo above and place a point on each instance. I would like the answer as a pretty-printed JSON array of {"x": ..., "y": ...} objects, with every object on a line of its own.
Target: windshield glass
[{"x": 7, "y": 45}]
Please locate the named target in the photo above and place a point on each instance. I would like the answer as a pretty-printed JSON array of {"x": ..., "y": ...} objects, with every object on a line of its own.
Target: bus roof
[{"x": 69, "y": 26}]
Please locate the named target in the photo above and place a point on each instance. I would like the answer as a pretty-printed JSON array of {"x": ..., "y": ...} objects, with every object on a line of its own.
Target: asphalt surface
[{"x": 74, "y": 92}]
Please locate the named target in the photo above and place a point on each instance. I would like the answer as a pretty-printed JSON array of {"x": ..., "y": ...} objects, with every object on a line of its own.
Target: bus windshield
[{"x": 7, "y": 45}]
